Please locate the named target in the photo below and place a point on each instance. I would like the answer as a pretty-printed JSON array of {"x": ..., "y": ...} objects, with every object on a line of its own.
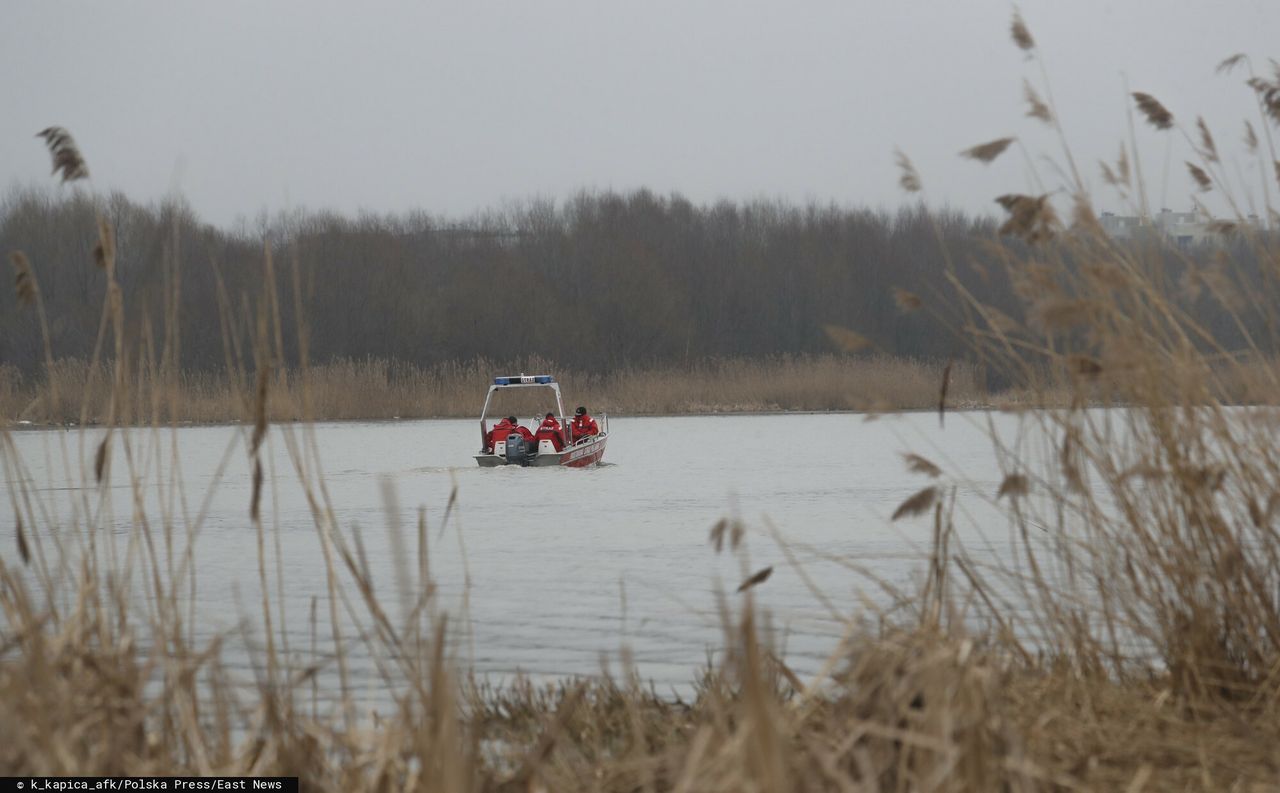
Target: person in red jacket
[
  {"x": 520, "y": 429},
  {"x": 549, "y": 430},
  {"x": 583, "y": 425},
  {"x": 504, "y": 428},
  {"x": 499, "y": 432}
]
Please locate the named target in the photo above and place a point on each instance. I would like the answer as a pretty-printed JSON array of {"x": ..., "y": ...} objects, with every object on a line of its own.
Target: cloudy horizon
[{"x": 399, "y": 106}]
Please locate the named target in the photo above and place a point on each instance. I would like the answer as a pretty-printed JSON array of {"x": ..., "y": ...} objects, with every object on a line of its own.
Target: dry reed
[
  {"x": 66, "y": 156},
  {"x": 908, "y": 177},
  {"x": 378, "y": 389},
  {"x": 1157, "y": 114},
  {"x": 987, "y": 152},
  {"x": 1036, "y": 107}
]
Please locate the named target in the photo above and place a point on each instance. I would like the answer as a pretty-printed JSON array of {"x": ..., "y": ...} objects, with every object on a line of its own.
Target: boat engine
[{"x": 519, "y": 450}]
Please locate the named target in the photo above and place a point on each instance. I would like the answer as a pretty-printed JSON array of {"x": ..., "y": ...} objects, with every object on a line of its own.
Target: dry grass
[
  {"x": 925, "y": 708},
  {"x": 67, "y": 160},
  {"x": 378, "y": 389},
  {"x": 1157, "y": 114},
  {"x": 1129, "y": 641}
]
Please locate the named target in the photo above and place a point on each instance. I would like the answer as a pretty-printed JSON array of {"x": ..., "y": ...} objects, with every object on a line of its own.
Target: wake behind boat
[{"x": 559, "y": 440}]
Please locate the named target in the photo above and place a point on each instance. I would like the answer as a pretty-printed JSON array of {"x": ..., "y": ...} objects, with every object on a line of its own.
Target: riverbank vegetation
[
  {"x": 596, "y": 283},
  {"x": 381, "y": 389},
  {"x": 1119, "y": 631}
]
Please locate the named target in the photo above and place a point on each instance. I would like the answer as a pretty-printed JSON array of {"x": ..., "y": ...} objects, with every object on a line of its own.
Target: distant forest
[{"x": 598, "y": 282}]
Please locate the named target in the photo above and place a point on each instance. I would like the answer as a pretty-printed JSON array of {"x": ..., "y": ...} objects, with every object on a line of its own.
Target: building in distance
[{"x": 1184, "y": 229}]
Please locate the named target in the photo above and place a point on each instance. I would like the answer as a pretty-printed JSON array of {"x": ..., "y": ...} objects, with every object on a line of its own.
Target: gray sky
[{"x": 450, "y": 107}]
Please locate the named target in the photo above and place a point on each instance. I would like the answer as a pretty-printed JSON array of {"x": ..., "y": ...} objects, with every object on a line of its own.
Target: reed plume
[
  {"x": 756, "y": 579},
  {"x": 917, "y": 503},
  {"x": 1268, "y": 92},
  {"x": 67, "y": 159},
  {"x": 1036, "y": 107},
  {"x": 986, "y": 152},
  {"x": 1228, "y": 64},
  {"x": 1157, "y": 114},
  {"x": 1122, "y": 166},
  {"x": 1020, "y": 34},
  {"x": 1201, "y": 178},
  {"x": 24, "y": 281},
  {"x": 1207, "y": 146},
  {"x": 1084, "y": 219},
  {"x": 908, "y": 179},
  {"x": 921, "y": 465},
  {"x": 1013, "y": 486},
  {"x": 1030, "y": 217}
]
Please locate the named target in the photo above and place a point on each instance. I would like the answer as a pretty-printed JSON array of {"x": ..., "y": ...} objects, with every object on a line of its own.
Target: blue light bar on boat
[{"x": 525, "y": 379}]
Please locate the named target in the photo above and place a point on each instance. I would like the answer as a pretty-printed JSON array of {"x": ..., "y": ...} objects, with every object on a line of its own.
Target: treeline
[{"x": 598, "y": 282}]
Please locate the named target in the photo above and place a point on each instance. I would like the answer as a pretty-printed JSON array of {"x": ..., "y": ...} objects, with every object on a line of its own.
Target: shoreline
[
  {"x": 32, "y": 426},
  {"x": 368, "y": 390}
]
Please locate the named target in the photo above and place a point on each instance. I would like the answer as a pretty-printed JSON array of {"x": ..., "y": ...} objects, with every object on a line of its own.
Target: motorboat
[{"x": 514, "y": 449}]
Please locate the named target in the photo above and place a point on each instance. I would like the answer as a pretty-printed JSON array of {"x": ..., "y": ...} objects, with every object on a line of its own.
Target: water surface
[{"x": 543, "y": 571}]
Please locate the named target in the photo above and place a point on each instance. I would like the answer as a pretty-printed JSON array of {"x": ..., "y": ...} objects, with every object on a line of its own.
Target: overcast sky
[{"x": 450, "y": 107}]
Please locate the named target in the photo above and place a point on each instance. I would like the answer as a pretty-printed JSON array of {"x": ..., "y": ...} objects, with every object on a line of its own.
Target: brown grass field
[
  {"x": 1134, "y": 644},
  {"x": 377, "y": 389}
]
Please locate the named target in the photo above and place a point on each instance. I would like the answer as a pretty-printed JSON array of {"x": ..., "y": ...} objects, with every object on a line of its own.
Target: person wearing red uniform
[
  {"x": 499, "y": 432},
  {"x": 503, "y": 429},
  {"x": 549, "y": 430},
  {"x": 520, "y": 429},
  {"x": 583, "y": 425}
]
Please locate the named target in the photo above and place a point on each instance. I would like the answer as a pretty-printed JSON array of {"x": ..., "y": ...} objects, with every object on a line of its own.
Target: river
[{"x": 547, "y": 572}]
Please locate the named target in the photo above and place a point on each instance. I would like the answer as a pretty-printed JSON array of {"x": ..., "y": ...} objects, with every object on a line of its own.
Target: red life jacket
[
  {"x": 583, "y": 426},
  {"x": 549, "y": 424},
  {"x": 549, "y": 430},
  {"x": 499, "y": 432},
  {"x": 522, "y": 431}
]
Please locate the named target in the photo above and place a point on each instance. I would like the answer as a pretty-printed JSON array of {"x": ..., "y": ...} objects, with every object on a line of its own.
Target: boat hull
[{"x": 579, "y": 455}]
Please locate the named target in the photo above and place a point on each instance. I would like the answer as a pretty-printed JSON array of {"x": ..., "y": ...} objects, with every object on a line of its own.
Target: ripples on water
[{"x": 564, "y": 566}]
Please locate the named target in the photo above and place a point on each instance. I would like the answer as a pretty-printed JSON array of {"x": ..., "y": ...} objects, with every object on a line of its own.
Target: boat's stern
[{"x": 587, "y": 451}]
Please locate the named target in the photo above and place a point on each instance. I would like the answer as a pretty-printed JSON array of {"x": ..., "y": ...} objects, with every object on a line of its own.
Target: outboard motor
[{"x": 519, "y": 451}]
